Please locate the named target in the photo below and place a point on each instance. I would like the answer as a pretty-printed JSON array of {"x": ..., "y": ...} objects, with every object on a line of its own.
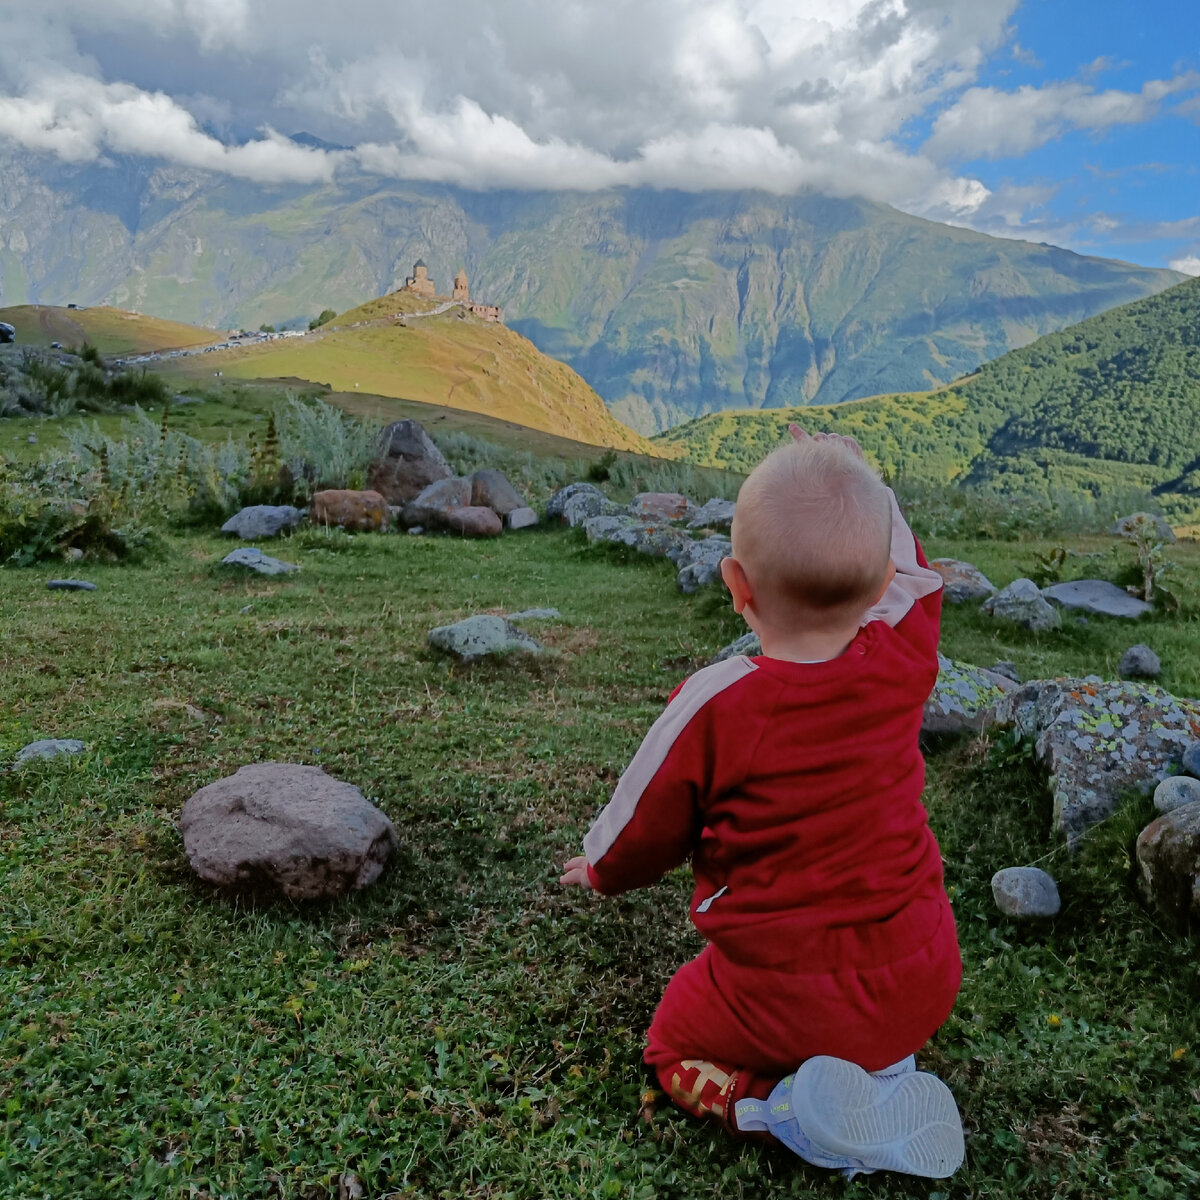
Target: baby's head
[{"x": 812, "y": 533}]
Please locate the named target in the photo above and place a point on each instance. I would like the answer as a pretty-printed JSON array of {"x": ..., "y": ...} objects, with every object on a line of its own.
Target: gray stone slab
[{"x": 1097, "y": 596}]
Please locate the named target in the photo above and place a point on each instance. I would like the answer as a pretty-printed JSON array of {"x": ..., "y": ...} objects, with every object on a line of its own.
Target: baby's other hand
[
  {"x": 800, "y": 435},
  {"x": 576, "y": 874}
]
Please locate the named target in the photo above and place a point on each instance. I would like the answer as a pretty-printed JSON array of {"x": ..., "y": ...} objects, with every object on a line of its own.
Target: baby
[{"x": 793, "y": 782}]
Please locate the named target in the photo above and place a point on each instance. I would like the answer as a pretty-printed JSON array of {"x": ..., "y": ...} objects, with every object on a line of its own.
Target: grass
[
  {"x": 110, "y": 330},
  {"x": 463, "y": 1028}
]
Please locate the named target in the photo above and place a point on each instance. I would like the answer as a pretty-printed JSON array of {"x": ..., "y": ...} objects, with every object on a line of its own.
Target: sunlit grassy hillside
[{"x": 110, "y": 330}]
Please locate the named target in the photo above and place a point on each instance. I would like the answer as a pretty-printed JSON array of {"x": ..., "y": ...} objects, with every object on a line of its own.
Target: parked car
[{"x": 8, "y": 332}]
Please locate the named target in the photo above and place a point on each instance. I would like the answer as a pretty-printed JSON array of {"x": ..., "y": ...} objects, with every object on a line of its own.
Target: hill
[
  {"x": 110, "y": 330},
  {"x": 402, "y": 347},
  {"x": 1109, "y": 404},
  {"x": 670, "y": 304}
]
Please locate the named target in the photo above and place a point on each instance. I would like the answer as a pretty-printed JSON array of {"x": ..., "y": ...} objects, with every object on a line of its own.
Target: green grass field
[
  {"x": 463, "y": 1028},
  {"x": 110, "y": 330}
]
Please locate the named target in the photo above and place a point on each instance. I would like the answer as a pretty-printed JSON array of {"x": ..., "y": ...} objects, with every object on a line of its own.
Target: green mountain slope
[
  {"x": 671, "y": 305},
  {"x": 1112, "y": 402}
]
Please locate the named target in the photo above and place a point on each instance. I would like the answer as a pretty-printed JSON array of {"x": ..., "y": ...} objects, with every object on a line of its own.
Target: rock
[
  {"x": 491, "y": 489},
  {"x": 748, "y": 644},
  {"x": 1097, "y": 596},
  {"x": 285, "y": 829},
  {"x": 580, "y": 508},
  {"x": 262, "y": 521},
  {"x": 647, "y": 537},
  {"x": 430, "y": 507},
  {"x": 1191, "y": 760},
  {"x": 1007, "y": 669},
  {"x": 963, "y": 698},
  {"x": 714, "y": 514},
  {"x": 535, "y": 614},
  {"x": 1168, "y": 859},
  {"x": 1132, "y": 525},
  {"x": 1140, "y": 662},
  {"x": 255, "y": 560},
  {"x": 1176, "y": 791},
  {"x": 520, "y": 518},
  {"x": 482, "y": 637},
  {"x": 962, "y": 581},
  {"x": 556, "y": 507},
  {"x": 700, "y": 563},
  {"x": 47, "y": 748},
  {"x": 353, "y": 511},
  {"x": 1025, "y": 892},
  {"x": 473, "y": 521},
  {"x": 661, "y": 506},
  {"x": 1099, "y": 740},
  {"x": 70, "y": 585},
  {"x": 1022, "y": 602},
  {"x": 406, "y": 462}
]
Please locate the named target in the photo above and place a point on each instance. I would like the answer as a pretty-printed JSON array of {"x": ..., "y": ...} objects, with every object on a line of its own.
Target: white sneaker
[{"x": 905, "y": 1122}]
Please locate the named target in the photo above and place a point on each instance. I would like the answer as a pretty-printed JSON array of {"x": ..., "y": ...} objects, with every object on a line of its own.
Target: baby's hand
[
  {"x": 800, "y": 435},
  {"x": 576, "y": 874}
]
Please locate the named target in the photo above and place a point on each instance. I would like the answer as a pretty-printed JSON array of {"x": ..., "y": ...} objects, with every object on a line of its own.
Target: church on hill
[{"x": 421, "y": 285}]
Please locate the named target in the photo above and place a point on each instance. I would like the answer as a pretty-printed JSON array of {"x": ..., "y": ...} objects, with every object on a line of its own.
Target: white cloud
[{"x": 1189, "y": 264}]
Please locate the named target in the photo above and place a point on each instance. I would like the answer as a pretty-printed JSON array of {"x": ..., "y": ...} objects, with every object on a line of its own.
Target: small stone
[
  {"x": 70, "y": 585},
  {"x": 254, "y": 559},
  {"x": 748, "y": 644},
  {"x": 73, "y": 553},
  {"x": 1025, "y": 892},
  {"x": 715, "y": 514},
  {"x": 1099, "y": 597},
  {"x": 1140, "y": 662},
  {"x": 535, "y": 614},
  {"x": 482, "y": 637},
  {"x": 520, "y": 518},
  {"x": 262, "y": 521},
  {"x": 32, "y": 439},
  {"x": 1007, "y": 669},
  {"x": 1022, "y": 603},
  {"x": 1176, "y": 791},
  {"x": 47, "y": 748},
  {"x": 416, "y": 529},
  {"x": 962, "y": 581},
  {"x": 1191, "y": 760}
]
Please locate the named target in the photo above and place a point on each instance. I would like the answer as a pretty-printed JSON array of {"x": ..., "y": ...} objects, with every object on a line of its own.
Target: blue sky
[{"x": 1063, "y": 121}]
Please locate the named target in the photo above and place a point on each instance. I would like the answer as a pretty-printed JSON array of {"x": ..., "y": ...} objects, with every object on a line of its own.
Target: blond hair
[{"x": 812, "y": 531}]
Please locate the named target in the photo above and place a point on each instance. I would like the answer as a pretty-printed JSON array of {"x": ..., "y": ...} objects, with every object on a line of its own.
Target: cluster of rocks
[{"x": 659, "y": 524}]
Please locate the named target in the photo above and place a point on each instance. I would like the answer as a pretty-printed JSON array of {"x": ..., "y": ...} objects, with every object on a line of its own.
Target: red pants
[{"x": 724, "y": 1031}]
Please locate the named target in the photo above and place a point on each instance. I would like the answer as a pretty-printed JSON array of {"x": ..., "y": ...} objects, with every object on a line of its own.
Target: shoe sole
[{"x": 907, "y": 1123}]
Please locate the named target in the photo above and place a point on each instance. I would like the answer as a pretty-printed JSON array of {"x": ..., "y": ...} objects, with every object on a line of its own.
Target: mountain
[
  {"x": 1110, "y": 404},
  {"x": 670, "y": 304}
]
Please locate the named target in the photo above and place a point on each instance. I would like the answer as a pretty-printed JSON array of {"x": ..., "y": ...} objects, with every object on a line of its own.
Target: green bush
[{"x": 321, "y": 447}]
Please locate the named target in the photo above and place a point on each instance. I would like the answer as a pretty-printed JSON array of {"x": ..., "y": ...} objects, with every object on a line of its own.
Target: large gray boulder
[
  {"x": 406, "y": 462},
  {"x": 714, "y": 514},
  {"x": 699, "y": 563},
  {"x": 262, "y": 521},
  {"x": 1175, "y": 791},
  {"x": 430, "y": 507},
  {"x": 962, "y": 581},
  {"x": 1023, "y": 604},
  {"x": 1168, "y": 859},
  {"x": 1099, "y": 740},
  {"x": 583, "y": 506},
  {"x": 282, "y": 829},
  {"x": 556, "y": 506},
  {"x": 1097, "y": 596},
  {"x": 253, "y": 559},
  {"x": 480, "y": 637},
  {"x": 491, "y": 489},
  {"x": 1140, "y": 662},
  {"x": 964, "y": 698}
]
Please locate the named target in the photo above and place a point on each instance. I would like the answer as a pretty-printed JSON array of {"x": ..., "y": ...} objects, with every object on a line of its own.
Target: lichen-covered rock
[
  {"x": 1097, "y": 596},
  {"x": 253, "y": 559},
  {"x": 555, "y": 507},
  {"x": 480, "y": 637},
  {"x": 283, "y": 829},
  {"x": 1168, "y": 859},
  {"x": 1176, "y": 791},
  {"x": 748, "y": 644},
  {"x": 262, "y": 521},
  {"x": 647, "y": 537},
  {"x": 962, "y": 581},
  {"x": 1023, "y": 603},
  {"x": 491, "y": 489},
  {"x": 583, "y": 506},
  {"x": 1140, "y": 662},
  {"x": 964, "y": 698},
  {"x": 699, "y": 563},
  {"x": 1134, "y": 524},
  {"x": 714, "y": 514},
  {"x": 1099, "y": 740},
  {"x": 1024, "y": 892},
  {"x": 353, "y": 511},
  {"x": 1191, "y": 760},
  {"x": 661, "y": 506},
  {"x": 406, "y": 462}
]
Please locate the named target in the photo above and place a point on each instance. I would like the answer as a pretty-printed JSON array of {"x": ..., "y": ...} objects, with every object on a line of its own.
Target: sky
[{"x": 1074, "y": 122}]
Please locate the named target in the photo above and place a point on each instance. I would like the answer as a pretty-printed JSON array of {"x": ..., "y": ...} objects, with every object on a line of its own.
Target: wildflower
[{"x": 1054, "y": 1021}]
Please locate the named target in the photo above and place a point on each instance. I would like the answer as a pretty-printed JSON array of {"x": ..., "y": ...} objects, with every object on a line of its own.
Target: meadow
[{"x": 464, "y": 1028}]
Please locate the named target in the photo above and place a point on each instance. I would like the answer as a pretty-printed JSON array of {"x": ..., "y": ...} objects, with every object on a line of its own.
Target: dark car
[{"x": 7, "y": 332}]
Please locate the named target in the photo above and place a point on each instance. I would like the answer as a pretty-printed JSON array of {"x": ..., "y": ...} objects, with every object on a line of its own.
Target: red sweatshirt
[{"x": 796, "y": 790}]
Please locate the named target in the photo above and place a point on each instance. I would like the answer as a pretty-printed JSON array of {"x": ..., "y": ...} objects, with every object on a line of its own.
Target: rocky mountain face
[{"x": 671, "y": 305}]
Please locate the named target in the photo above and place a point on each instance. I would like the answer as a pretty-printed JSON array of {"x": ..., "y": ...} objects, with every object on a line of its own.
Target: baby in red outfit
[{"x": 793, "y": 782}]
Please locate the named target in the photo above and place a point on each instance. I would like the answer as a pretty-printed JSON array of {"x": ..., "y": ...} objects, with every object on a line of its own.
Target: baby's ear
[
  {"x": 735, "y": 579},
  {"x": 889, "y": 575}
]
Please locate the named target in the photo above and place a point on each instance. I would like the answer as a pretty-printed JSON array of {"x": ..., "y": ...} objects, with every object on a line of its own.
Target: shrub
[
  {"x": 327, "y": 315},
  {"x": 320, "y": 446}
]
